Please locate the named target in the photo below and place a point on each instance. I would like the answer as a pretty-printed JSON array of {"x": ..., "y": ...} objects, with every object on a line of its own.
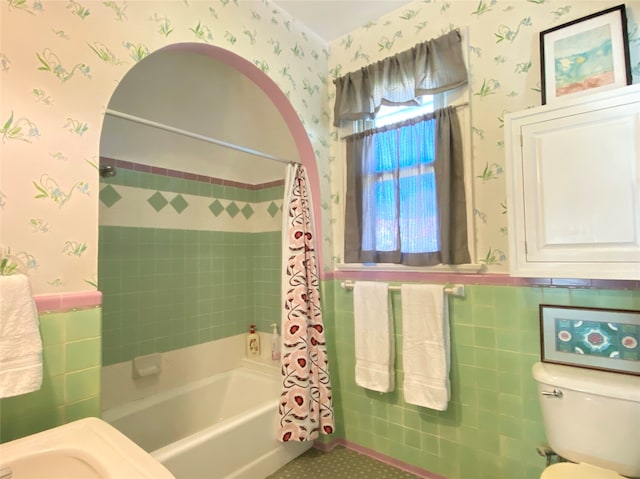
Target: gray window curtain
[
  {"x": 450, "y": 194},
  {"x": 430, "y": 67}
]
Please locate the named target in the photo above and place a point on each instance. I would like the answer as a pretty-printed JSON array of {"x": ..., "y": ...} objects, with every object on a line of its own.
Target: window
[
  {"x": 407, "y": 186},
  {"x": 403, "y": 163},
  {"x": 405, "y": 192},
  {"x": 417, "y": 202}
]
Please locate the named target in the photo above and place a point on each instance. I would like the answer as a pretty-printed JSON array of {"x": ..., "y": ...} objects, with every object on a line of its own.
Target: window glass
[
  {"x": 399, "y": 211},
  {"x": 393, "y": 114},
  {"x": 400, "y": 187}
]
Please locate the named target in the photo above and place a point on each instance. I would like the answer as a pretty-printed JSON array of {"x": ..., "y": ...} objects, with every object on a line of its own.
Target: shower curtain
[{"x": 305, "y": 409}]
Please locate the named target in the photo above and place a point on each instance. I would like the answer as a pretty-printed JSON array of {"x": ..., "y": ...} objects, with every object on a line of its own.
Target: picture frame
[
  {"x": 587, "y": 55},
  {"x": 593, "y": 338}
]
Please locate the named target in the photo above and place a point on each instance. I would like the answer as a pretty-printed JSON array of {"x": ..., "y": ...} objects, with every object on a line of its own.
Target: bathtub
[{"x": 219, "y": 427}]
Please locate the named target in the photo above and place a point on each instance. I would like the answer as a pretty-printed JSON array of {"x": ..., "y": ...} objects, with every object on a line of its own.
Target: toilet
[{"x": 591, "y": 419}]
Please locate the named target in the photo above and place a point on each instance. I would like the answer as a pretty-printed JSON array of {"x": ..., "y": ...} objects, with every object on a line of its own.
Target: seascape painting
[{"x": 584, "y": 61}]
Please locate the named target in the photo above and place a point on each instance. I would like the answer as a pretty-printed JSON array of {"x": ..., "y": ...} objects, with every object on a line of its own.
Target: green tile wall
[
  {"x": 71, "y": 377},
  {"x": 164, "y": 289},
  {"x": 168, "y": 289},
  {"x": 493, "y": 424},
  {"x": 267, "y": 266}
]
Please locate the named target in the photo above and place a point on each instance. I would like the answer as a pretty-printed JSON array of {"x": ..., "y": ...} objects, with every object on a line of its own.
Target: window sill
[{"x": 382, "y": 267}]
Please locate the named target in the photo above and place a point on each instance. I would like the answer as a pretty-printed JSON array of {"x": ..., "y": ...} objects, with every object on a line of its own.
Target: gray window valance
[{"x": 430, "y": 67}]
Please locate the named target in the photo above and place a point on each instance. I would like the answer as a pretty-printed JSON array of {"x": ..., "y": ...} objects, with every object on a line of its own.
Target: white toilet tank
[{"x": 597, "y": 418}]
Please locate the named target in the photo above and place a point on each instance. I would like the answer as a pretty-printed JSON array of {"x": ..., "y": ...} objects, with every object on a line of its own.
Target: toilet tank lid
[{"x": 601, "y": 383}]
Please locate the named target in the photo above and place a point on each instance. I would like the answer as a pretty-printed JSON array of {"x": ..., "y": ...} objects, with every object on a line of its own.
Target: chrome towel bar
[{"x": 451, "y": 289}]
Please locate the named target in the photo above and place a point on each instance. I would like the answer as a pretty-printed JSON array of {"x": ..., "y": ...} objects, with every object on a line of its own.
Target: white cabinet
[{"x": 573, "y": 187}]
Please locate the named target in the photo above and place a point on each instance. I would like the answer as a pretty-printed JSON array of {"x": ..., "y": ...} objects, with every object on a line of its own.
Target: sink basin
[
  {"x": 85, "y": 449},
  {"x": 56, "y": 464}
]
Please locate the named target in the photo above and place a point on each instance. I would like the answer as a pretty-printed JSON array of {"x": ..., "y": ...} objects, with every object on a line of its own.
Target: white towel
[
  {"x": 425, "y": 346},
  {"x": 20, "y": 343},
  {"x": 374, "y": 341}
]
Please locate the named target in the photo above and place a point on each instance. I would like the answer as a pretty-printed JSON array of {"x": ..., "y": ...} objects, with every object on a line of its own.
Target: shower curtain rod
[{"x": 208, "y": 139}]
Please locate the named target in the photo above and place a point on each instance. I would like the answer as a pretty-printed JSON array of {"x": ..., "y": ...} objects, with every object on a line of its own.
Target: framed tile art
[{"x": 594, "y": 338}]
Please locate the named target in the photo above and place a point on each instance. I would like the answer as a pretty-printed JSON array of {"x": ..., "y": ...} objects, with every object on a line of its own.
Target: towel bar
[{"x": 452, "y": 289}]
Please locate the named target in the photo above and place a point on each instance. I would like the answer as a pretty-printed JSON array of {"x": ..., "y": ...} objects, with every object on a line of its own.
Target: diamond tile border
[
  {"x": 186, "y": 211},
  {"x": 232, "y": 209},
  {"x": 109, "y": 196},
  {"x": 247, "y": 211},
  {"x": 216, "y": 208},
  {"x": 157, "y": 201},
  {"x": 179, "y": 204}
]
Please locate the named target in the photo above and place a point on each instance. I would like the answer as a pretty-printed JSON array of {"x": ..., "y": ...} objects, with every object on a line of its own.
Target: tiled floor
[{"x": 339, "y": 463}]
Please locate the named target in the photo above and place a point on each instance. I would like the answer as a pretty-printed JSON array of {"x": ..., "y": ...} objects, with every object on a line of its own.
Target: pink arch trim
[{"x": 289, "y": 114}]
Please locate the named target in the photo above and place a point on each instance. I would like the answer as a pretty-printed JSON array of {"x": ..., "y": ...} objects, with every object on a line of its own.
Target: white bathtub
[{"x": 220, "y": 427}]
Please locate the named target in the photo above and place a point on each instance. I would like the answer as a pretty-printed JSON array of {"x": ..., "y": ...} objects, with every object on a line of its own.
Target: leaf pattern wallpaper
[
  {"x": 504, "y": 76},
  {"x": 60, "y": 62}
]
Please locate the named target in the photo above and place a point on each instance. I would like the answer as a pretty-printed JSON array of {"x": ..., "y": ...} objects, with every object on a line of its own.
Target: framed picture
[
  {"x": 593, "y": 338},
  {"x": 587, "y": 55}
]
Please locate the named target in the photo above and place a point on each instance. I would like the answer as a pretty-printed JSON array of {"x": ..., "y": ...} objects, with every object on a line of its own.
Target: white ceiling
[{"x": 331, "y": 19}]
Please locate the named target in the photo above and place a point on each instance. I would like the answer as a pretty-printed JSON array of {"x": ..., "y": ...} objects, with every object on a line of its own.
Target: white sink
[{"x": 85, "y": 449}]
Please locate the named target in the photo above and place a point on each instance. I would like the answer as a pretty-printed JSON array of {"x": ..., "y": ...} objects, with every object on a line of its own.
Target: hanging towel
[
  {"x": 20, "y": 343},
  {"x": 374, "y": 341},
  {"x": 425, "y": 346}
]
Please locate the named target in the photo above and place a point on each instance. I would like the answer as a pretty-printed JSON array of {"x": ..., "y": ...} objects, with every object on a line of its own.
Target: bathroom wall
[
  {"x": 185, "y": 259},
  {"x": 71, "y": 376},
  {"x": 60, "y": 63},
  {"x": 504, "y": 76},
  {"x": 493, "y": 425}
]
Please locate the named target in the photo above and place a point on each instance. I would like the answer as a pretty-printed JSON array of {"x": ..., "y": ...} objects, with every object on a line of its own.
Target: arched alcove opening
[{"x": 141, "y": 315}]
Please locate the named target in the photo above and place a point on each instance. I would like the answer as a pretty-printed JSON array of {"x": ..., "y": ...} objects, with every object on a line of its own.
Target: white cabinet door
[{"x": 574, "y": 188}]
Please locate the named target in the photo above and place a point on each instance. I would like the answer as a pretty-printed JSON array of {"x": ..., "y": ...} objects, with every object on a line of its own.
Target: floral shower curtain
[{"x": 305, "y": 409}]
